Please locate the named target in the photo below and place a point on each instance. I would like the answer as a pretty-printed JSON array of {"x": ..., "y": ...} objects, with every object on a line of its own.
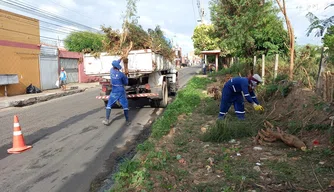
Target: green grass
[
  {"x": 134, "y": 173},
  {"x": 186, "y": 101},
  {"x": 145, "y": 146},
  {"x": 130, "y": 174},
  {"x": 230, "y": 128}
]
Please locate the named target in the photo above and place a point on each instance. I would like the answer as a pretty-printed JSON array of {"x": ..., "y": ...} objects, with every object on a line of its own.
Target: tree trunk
[{"x": 291, "y": 37}]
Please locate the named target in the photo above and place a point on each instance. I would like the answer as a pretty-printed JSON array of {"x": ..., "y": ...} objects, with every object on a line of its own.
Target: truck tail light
[{"x": 147, "y": 86}]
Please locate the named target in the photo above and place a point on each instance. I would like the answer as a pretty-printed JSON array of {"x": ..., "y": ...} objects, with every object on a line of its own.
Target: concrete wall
[
  {"x": 19, "y": 51},
  {"x": 83, "y": 78}
]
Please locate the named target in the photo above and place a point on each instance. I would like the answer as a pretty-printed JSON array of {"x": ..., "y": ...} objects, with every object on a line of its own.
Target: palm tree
[{"x": 321, "y": 25}]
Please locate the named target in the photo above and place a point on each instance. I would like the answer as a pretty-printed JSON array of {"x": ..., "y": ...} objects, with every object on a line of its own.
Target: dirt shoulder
[{"x": 190, "y": 151}]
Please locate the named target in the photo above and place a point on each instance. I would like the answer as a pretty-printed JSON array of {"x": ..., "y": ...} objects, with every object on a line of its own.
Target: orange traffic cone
[{"x": 18, "y": 140}]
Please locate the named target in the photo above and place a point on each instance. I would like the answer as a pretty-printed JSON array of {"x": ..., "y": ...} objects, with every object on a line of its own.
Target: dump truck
[{"x": 150, "y": 76}]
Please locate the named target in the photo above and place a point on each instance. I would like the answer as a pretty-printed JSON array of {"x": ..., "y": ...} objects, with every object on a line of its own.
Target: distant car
[{"x": 184, "y": 64}]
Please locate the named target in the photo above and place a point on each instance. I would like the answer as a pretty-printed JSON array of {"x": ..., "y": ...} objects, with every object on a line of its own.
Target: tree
[
  {"x": 84, "y": 41},
  {"x": 204, "y": 38},
  {"x": 160, "y": 44},
  {"x": 321, "y": 25},
  {"x": 248, "y": 28},
  {"x": 291, "y": 35}
]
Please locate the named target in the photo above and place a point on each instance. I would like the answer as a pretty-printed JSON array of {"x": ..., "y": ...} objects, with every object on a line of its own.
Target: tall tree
[
  {"x": 248, "y": 28},
  {"x": 282, "y": 6},
  {"x": 204, "y": 38}
]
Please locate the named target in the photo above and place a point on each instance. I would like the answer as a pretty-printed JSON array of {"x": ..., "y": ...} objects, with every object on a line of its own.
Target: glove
[{"x": 258, "y": 107}]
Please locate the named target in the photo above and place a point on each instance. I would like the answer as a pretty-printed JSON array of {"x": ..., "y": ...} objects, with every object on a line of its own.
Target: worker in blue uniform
[
  {"x": 118, "y": 81},
  {"x": 232, "y": 94}
]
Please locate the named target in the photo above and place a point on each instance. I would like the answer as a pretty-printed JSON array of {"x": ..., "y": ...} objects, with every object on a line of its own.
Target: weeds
[
  {"x": 145, "y": 146},
  {"x": 186, "y": 101},
  {"x": 157, "y": 160},
  {"x": 130, "y": 174},
  {"x": 284, "y": 171},
  {"x": 228, "y": 129}
]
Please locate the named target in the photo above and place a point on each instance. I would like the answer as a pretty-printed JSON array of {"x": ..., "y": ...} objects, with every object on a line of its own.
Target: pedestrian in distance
[
  {"x": 118, "y": 93},
  {"x": 62, "y": 79},
  {"x": 204, "y": 67},
  {"x": 232, "y": 94}
]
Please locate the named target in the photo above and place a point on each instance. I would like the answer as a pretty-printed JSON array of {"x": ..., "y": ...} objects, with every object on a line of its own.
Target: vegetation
[
  {"x": 84, "y": 41},
  {"x": 117, "y": 43},
  {"x": 133, "y": 174},
  {"x": 186, "y": 101},
  {"x": 329, "y": 42},
  {"x": 320, "y": 25},
  {"x": 204, "y": 38},
  {"x": 248, "y": 28},
  {"x": 189, "y": 150}
]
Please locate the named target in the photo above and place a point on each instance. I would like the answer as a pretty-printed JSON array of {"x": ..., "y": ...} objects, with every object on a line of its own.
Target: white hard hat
[{"x": 258, "y": 78}]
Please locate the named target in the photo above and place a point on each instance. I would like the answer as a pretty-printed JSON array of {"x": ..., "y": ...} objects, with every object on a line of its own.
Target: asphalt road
[{"x": 70, "y": 144}]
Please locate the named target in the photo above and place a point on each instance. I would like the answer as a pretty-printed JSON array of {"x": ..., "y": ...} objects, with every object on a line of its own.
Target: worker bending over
[{"x": 232, "y": 94}]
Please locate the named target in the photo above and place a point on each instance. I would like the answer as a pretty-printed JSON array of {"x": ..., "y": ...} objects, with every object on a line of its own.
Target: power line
[
  {"x": 44, "y": 14},
  {"x": 30, "y": 34},
  {"x": 194, "y": 12},
  {"x": 63, "y": 30},
  {"x": 59, "y": 5}
]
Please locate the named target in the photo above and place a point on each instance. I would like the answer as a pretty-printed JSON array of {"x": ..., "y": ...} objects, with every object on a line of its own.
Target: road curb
[{"x": 43, "y": 98}]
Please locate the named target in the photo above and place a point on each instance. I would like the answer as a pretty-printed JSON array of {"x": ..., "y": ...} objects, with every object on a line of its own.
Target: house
[{"x": 19, "y": 51}]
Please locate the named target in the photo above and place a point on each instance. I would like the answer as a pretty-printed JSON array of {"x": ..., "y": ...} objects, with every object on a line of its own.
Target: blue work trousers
[
  {"x": 121, "y": 97},
  {"x": 230, "y": 97}
]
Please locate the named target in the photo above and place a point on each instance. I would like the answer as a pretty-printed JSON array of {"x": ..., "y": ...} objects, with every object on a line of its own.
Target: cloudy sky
[{"x": 176, "y": 17}]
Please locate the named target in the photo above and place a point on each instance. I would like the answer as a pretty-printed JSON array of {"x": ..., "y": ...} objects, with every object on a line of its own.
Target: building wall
[
  {"x": 83, "y": 78},
  {"x": 19, "y": 51}
]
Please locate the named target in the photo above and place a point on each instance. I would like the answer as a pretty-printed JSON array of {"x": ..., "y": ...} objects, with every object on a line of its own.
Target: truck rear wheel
[{"x": 161, "y": 103}]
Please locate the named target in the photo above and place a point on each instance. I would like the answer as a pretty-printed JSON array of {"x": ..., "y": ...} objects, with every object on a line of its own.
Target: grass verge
[
  {"x": 190, "y": 151},
  {"x": 133, "y": 174}
]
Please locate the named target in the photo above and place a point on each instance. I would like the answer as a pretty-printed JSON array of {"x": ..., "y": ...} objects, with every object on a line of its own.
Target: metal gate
[
  {"x": 71, "y": 68},
  {"x": 48, "y": 67}
]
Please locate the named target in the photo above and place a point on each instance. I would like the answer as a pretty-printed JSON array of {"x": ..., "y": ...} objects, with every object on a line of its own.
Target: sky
[{"x": 177, "y": 18}]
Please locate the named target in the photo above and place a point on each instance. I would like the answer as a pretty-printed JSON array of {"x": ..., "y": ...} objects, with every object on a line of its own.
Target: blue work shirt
[
  {"x": 240, "y": 84},
  {"x": 118, "y": 81}
]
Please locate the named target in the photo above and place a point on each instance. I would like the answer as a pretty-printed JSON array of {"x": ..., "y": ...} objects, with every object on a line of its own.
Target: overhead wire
[
  {"x": 60, "y": 5},
  {"x": 41, "y": 13},
  {"x": 29, "y": 34},
  {"x": 194, "y": 12}
]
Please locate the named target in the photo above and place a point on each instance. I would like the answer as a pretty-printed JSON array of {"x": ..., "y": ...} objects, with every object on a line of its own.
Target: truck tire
[{"x": 161, "y": 103}]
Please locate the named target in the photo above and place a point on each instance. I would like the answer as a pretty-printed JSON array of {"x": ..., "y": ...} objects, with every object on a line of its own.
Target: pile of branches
[{"x": 117, "y": 42}]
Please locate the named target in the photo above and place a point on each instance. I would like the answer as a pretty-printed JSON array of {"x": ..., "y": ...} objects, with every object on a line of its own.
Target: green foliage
[
  {"x": 307, "y": 58},
  {"x": 248, "y": 27},
  {"x": 320, "y": 25},
  {"x": 186, "y": 101},
  {"x": 157, "y": 160},
  {"x": 230, "y": 128},
  {"x": 84, "y": 41},
  {"x": 146, "y": 146},
  {"x": 329, "y": 42},
  {"x": 117, "y": 42},
  {"x": 204, "y": 38},
  {"x": 131, "y": 174},
  {"x": 160, "y": 44}
]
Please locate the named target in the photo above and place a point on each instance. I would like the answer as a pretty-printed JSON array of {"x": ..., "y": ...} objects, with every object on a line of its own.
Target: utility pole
[{"x": 200, "y": 10}]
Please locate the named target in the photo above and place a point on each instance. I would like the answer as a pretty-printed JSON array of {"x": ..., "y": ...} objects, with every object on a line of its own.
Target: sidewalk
[{"x": 30, "y": 99}]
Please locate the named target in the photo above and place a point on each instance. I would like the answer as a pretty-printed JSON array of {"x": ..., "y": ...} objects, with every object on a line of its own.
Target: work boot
[
  {"x": 106, "y": 122},
  {"x": 220, "y": 118}
]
